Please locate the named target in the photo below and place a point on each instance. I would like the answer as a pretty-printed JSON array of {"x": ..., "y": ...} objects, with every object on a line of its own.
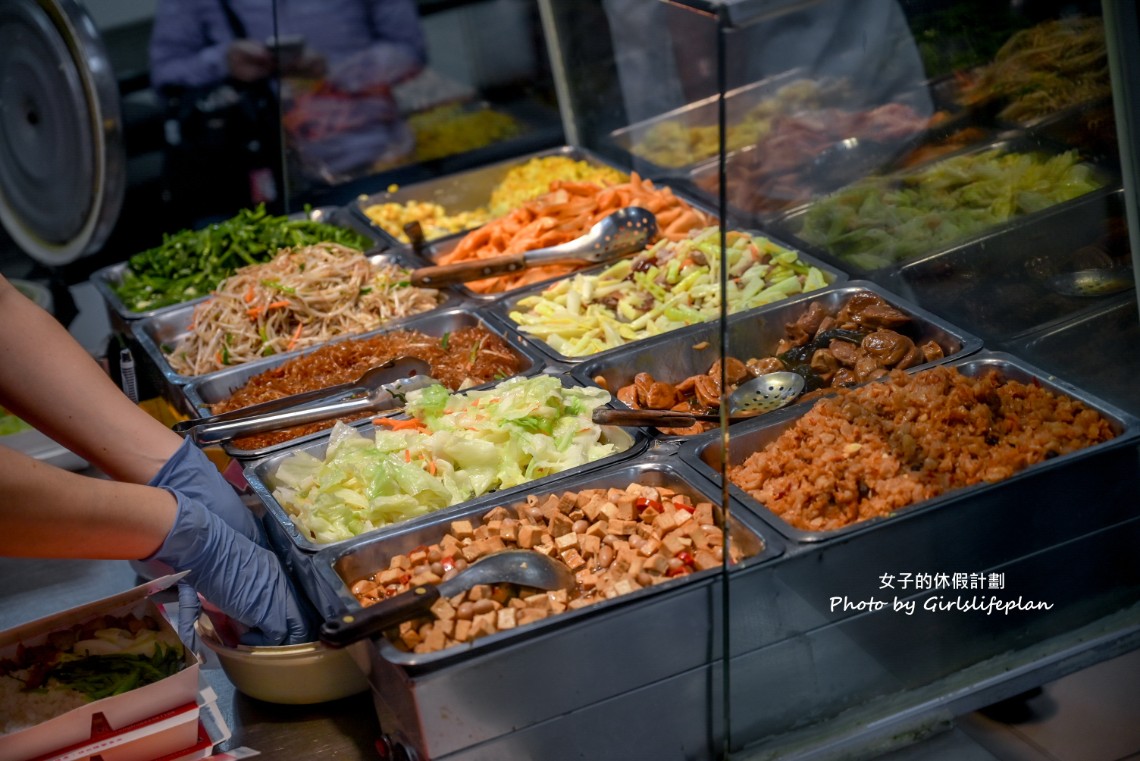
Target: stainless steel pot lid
[{"x": 62, "y": 161}]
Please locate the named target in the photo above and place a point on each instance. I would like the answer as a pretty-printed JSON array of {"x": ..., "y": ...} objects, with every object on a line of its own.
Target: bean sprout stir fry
[{"x": 303, "y": 297}]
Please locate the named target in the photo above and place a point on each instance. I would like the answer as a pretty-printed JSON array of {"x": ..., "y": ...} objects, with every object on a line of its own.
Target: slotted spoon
[{"x": 763, "y": 393}]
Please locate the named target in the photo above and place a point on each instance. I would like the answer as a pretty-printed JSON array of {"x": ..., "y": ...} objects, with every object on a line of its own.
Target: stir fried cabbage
[
  {"x": 879, "y": 221},
  {"x": 460, "y": 446}
]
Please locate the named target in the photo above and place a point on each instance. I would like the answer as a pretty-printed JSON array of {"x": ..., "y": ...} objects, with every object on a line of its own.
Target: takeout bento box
[{"x": 78, "y": 726}]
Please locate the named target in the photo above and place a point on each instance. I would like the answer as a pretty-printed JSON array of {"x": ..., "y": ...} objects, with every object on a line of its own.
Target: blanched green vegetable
[
  {"x": 100, "y": 676},
  {"x": 882, "y": 220},
  {"x": 669, "y": 286},
  {"x": 191, "y": 263},
  {"x": 455, "y": 447}
]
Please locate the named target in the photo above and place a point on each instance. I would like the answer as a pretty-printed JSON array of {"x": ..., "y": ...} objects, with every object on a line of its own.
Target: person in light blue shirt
[{"x": 339, "y": 112}]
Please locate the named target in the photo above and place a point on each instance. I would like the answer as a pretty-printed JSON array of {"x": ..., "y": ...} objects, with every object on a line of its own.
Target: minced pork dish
[{"x": 869, "y": 451}]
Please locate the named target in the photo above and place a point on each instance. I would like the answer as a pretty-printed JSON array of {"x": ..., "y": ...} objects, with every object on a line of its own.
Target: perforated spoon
[
  {"x": 1092, "y": 283},
  {"x": 626, "y": 231},
  {"x": 526, "y": 568},
  {"x": 763, "y": 393}
]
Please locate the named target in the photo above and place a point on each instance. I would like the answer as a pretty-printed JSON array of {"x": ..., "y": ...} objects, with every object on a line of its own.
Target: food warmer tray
[
  {"x": 704, "y": 114},
  {"x": 462, "y": 191},
  {"x": 501, "y": 308},
  {"x": 443, "y": 246},
  {"x": 259, "y": 475},
  {"x": 755, "y": 333},
  {"x": 704, "y": 453},
  {"x": 1092, "y": 349},
  {"x": 997, "y": 285},
  {"x": 703, "y": 176},
  {"x": 217, "y": 387},
  {"x": 121, "y": 317},
  {"x": 166, "y": 329},
  {"x": 437, "y": 701},
  {"x": 789, "y": 224}
]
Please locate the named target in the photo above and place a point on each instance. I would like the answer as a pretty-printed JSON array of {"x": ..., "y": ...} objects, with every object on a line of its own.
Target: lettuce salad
[{"x": 453, "y": 448}]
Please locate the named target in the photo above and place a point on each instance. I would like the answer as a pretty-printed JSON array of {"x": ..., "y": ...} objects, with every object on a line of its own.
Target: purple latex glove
[
  {"x": 191, "y": 473},
  {"x": 242, "y": 579}
]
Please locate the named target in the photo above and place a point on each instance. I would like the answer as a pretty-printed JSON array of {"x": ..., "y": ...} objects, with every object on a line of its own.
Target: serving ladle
[
  {"x": 764, "y": 393},
  {"x": 1093, "y": 282},
  {"x": 378, "y": 388},
  {"x": 625, "y": 231},
  {"x": 526, "y": 568}
]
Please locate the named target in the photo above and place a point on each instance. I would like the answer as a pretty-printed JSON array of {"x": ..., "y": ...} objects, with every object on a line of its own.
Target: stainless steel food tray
[
  {"x": 337, "y": 568},
  {"x": 1088, "y": 127},
  {"x": 704, "y": 453},
  {"x": 701, "y": 180},
  {"x": 443, "y": 246},
  {"x": 789, "y": 224},
  {"x": 217, "y": 387},
  {"x": 107, "y": 278},
  {"x": 704, "y": 113},
  {"x": 755, "y": 333},
  {"x": 462, "y": 191},
  {"x": 1089, "y": 350},
  {"x": 502, "y": 308},
  {"x": 259, "y": 475},
  {"x": 167, "y": 329},
  {"x": 997, "y": 286},
  {"x": 551, "y": 667}
]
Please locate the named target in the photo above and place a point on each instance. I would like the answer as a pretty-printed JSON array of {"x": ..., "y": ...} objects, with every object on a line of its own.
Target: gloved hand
[
  {"x": 244, "y": 580},
  {"x": 190, "y": 472}
]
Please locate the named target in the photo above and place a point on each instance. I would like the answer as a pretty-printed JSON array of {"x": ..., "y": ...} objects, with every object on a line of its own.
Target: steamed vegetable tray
[
  {"x": 879, "y": 221},
  {"x": 189, "y": 264},
  {"x": 452, "y": 448},
  {"x": 668, "y": 286}
]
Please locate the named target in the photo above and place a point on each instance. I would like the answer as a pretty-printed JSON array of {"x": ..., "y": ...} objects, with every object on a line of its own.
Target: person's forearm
[
  {"x": 51, "y": 381},
  {"x": 47, "y": 512}
]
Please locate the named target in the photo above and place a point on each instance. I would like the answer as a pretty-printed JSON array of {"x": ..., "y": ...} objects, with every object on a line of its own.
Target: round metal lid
[{"x": 62, "y": 161}]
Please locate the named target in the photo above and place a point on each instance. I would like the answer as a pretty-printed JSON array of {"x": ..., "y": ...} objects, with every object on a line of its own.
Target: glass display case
[{"x": 912, "y": 146}]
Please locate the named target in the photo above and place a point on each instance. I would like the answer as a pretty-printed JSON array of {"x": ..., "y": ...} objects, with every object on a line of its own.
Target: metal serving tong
[
  {"x": 379, "y": 388},
  {"x": 624, "y": 232}
]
